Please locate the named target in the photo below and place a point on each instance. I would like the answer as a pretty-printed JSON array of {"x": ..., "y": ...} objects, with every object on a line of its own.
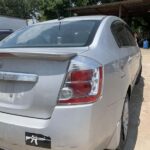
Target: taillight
[{"x": 83, "y": 83}]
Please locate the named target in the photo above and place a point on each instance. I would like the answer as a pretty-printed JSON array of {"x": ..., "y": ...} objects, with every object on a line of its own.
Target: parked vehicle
[
  {"x": 5, "y": 33},
  {"x": 66, "y": 84},
  {"x": 10, "y": 24}
]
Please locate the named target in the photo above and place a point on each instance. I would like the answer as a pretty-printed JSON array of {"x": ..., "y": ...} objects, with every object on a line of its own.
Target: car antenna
[{"x": 59, "y": 19}]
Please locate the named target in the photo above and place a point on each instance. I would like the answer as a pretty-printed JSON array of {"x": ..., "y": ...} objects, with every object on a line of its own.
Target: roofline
[{"x": 73, "y": 18}]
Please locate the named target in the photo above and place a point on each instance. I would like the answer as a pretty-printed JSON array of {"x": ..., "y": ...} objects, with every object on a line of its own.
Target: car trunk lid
[{"x": 30, "y": 81}]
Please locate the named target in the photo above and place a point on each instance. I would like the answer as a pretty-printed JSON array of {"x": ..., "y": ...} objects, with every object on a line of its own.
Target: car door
[{"x": 126, "y": 56}]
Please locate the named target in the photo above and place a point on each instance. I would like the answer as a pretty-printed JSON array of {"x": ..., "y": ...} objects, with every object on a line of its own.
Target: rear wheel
[
  {"x": 139, "y": 77},
  {"x": 124, "y": 124}
]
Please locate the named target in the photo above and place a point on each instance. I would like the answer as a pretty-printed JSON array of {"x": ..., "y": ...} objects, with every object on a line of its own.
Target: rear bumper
[{"x": 73, "y": 127}]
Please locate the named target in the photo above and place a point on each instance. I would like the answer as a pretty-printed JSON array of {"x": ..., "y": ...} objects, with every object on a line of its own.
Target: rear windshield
[{"x": 60, "y": 34}]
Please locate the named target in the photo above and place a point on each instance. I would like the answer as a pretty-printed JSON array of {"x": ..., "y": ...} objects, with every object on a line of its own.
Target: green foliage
[
  {"x": 81, "y": 2},
  {"x": 19, "y": 8},
  {"x": 54, "y": 9},
  {"x": 47, "y": 8},
  {"x": 140, "y": 24}
]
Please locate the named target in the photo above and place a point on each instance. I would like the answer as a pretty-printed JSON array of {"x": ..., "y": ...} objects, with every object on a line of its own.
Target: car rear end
[
  {"x": 33, "y": 115},
  {"x": 49, "y": 92}
]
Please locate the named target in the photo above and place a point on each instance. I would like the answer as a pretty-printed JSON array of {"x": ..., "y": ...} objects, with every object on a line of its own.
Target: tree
[
  {"x": 54, "y": 9},
  {"x": 47, "y": 8},
  {"x": 19, "y": 8}
]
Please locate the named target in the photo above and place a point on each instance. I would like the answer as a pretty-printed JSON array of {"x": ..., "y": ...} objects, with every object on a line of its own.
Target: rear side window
[
  {"x": 122, "y": 34},
  {"x": 59, "y": 34},
  {"x": 132, "y": 41}
]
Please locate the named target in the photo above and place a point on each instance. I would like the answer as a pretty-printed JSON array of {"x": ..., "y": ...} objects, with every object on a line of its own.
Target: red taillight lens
[
  {"x": 81, "y": 89},
  {"x": 82, "y": 75},
  {"x": 82, "y": 86},
  {"x": 80, "y": 82}
]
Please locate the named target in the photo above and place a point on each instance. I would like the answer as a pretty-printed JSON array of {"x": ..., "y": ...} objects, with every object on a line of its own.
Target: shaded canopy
[{"x": 122, "y": 9}]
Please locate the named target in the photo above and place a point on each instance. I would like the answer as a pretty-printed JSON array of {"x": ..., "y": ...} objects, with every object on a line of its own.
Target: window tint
[
  {"x": 122, "y": 34},
  {"x": 132, "y": 41},
  {"x": 60, "y": 34}
]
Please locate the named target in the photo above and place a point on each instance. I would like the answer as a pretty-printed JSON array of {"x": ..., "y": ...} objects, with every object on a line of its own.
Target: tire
[
  {"x": 124, "y": 124},
  {"x": 139, "y": 77}
]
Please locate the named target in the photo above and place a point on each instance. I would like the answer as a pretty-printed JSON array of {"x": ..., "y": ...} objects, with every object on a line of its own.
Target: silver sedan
[{"x": 66, "y": 84}]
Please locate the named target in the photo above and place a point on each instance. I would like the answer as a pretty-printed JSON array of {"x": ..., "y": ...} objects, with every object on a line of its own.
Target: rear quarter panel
[{"x": 105, "y": 50}]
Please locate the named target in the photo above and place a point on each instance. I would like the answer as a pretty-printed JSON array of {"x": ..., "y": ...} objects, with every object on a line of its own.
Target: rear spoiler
[{"x": 51, "y": 56}]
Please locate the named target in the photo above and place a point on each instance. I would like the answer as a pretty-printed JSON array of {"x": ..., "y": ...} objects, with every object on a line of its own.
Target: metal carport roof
[{"x": 121, "y": 9}]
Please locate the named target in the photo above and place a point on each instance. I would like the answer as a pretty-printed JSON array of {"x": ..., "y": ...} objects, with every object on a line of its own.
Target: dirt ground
[{"x": 139, "y": 131}]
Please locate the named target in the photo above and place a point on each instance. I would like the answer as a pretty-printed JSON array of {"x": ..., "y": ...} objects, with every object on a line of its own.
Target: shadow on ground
[{"x": 135, "y": 109}]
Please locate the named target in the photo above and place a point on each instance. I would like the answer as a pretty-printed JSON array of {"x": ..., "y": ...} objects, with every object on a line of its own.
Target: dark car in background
[
  {"x": 5, "y": 33},
  {"x": 9, "y": 25}
]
